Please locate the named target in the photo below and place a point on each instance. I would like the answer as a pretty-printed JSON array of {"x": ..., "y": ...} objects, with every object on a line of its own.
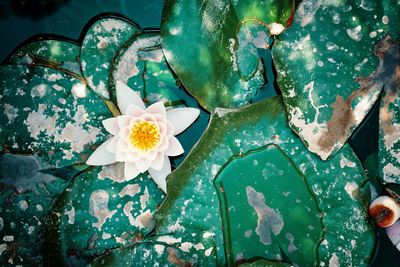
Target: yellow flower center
[{"x": 144, "y": 135}]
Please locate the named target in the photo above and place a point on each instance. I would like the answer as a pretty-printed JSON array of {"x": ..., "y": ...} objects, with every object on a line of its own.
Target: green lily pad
[
  {"x": 130, "y": 66},
  {"x": 99, "y": 211},
  {"x": 56, "y": 54},
  {"x": 26, "y": 195},
  {"x": 99, "y": 46},
  {"x": 145, "y": 254},
  {"x": 215, "y": 45},
  {"x": 257, "y": 196},
  {"x": 330, "y": 69},
  {"x": 169, "y": 250},
  {"x": 265, "y": 263},
  {"x": 141, "y": 64},
  {"x": 193, "y": 204},
  {"x": 50, "y": 113}
]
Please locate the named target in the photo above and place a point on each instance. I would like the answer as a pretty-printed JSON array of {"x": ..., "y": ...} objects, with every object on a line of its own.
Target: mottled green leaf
[
  {"x": 192, "y": 203},
  {"x": 26, "y": 195},
  {"x": 271, "y": 197},
  {"x": 195, "y": 249},
  {"x": 99, "y": 46},
  {"x": 99, "y": 211},
  {"x": 331, "y": 67},
  {"x": 56, "y": 54},
  {"x": 265, "y": 263},
  {"x": 47, "y": 112},
  {"x": 221, "y": 35}
]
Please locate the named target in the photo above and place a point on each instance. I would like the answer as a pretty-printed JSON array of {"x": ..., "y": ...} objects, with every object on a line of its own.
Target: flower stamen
[{"x": 144, "y": 135}]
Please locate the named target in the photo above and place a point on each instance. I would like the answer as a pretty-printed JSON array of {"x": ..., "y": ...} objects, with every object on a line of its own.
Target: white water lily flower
[{"x": 143, "y": 137}]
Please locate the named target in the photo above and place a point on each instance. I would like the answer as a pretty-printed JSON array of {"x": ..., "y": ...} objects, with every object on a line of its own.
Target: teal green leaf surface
[
  {"x": 146, "y": 254},
  {"x": 99, "y": 46},
  {"x": 26, "y": 195},
  {"x": 257, "y": 196},
  {"x": 47, "y": 112},
  {"x": 265, "y": 263},
  {"x": 99, "y": 211},
  {"x": 195, "y": 249},
  {"x": 56, "y": 54},
  {"x": 220, "y": 36},
  {"x": 192, "y": 203},
  {"x": 330, "y": 67}
]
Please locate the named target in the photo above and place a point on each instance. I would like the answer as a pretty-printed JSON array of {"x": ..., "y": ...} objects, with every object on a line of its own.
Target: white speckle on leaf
[
  {"x": 79, "y": 90},
  {"x": 23, "y": 205},
  {"x": 268, "y": 219},
  {"x": 11, "y": 112},
  {"x": 334, "y": 261},
  {"x": 350, "y": 188},
  {"x": 38, "y": 90},
  {"x": 306, "y": 11},
  {"x": 355, "y": 33},
  {"x": 98, "y": 208},
  {"x": 385, "y": 20},
  {"x": 130, "y": 190},
  {"x": 8, "y": 238},
  {"x": 71, "y": 215},
  {"x": 276, "y": 28}
]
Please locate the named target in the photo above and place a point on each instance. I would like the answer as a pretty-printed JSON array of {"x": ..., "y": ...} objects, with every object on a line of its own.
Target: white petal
[
  {"x": 164, "y": 144},
  {"x": 126, "y": 96},
  {"x": 181, "y": 118},
  {"x": 150, "y": 155},
  {"x": 130, "y": 171},
  {"x": 157, "y": 108},
  {"x": 113, "y": 145},
  {"x": 393, "y": 233},
  {"x": 175, "y": 148},
  {"x": 120, "y": 156},
  {"x": 143, "y": 164},
  {"x": 131, "y": 156},
  {"x": 160, "y": 176},
  {"x": 124, "y": 133},
  {"x": 158, "y": 162},
  {"x": 122, "y": 145},
  {"x": 134, "y": 111},
  {"x": 101, "y": 156},
  {"x": 111, "y": 125},
  {"x": 123, "y": 121}
]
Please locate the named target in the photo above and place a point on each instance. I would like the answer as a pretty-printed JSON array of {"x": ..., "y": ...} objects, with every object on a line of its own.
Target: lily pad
[
  {"x": 99, "y": 211},
  {"x": 210, "y": 46},
  {"x": 146, "y": 254},
  {"x": 265, "y": 263},
  {"x": 192, "y": 203},
  {"x": 257, "y": 196},
  {"x": 47, "y": 112},
  {"x": 26, "y": 195},
  {"x": 196, "y": 249},
  {"x": 56, "y": 54},
  {"x": 330, "y": 68},
  {"x": 101, "y": 42}
]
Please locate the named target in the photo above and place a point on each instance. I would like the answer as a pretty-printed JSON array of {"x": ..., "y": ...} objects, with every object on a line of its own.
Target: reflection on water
[{"x": 21, "y": 19}]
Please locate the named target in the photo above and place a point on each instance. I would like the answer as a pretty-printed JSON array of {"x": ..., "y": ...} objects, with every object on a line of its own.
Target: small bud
[{"x": 384, "y": 211}]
